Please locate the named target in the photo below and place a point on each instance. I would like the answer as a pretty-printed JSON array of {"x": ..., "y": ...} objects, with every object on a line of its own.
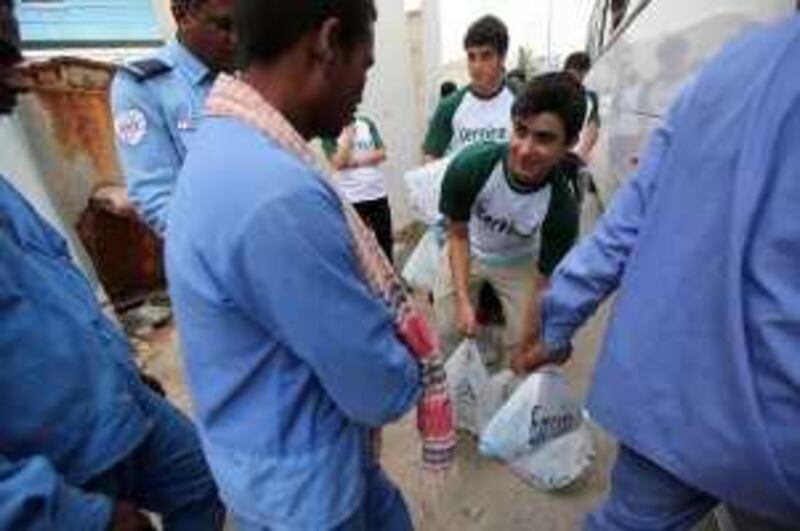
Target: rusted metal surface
[
  {"x": 74, "y": 95},
  {"x": 126, "y": 254}
]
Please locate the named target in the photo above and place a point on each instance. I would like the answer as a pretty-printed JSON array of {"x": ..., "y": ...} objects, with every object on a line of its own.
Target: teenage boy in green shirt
[
  {"x": 511, "y": 210},
  {"x": 479, "y": 111}
]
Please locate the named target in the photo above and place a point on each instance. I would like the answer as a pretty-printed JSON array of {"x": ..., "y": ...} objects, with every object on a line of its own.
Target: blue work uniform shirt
[
  {"x": 700, "y": 369},
  {"x": 156, "y": 114},
  {"x": 290, "y": 357},
  {"x": 69, "y": 391}
]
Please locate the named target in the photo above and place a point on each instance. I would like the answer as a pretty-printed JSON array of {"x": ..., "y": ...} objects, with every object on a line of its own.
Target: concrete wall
[
  {"x": 164, "y": 14},
  {"x": 390, "y": 100}
]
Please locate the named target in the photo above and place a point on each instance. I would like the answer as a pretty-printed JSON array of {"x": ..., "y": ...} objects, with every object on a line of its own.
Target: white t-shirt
[{"x": 365, "y": 183}]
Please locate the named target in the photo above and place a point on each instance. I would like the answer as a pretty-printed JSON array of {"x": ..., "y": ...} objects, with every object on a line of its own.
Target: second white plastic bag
[
  {"x": 467, "y": 378},
  {"x": 540, "y": 432},
  {"x": 423, "y": 265}
]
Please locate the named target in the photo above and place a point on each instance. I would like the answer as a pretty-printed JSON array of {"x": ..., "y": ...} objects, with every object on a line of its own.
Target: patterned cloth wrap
[{"x": 233, "y": 98}]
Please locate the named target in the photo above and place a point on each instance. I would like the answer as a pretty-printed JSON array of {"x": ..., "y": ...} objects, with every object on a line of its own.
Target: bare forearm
[
  {"x": 587, "y": 142},
  {"x": 341, "y": 159},
  {"x": 458, "y": 245},
  {"x": 531, "y": 314},
  {"x": 372, "y": 158}
]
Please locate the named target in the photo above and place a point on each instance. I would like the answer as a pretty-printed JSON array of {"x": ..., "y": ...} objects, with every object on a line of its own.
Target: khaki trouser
[{"x": 515, "y": 286}]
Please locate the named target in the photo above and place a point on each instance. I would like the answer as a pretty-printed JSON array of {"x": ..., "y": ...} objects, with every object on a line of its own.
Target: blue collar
[{"x": 184, "y": 60}]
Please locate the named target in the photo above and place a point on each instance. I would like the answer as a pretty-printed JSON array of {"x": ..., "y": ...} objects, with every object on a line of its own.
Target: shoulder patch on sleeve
[
  {"x": 145, "y": 69},
  {"x": 130, "y": 126}
]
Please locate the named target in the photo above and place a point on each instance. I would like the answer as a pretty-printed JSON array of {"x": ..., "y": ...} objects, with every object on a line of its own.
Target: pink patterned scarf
[{"x": 233, "y": 98}]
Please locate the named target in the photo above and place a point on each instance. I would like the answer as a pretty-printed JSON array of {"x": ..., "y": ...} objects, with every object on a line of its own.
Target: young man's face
[
  {"x": 9, "y": 58},
  {"x": 538, "y": 143},
  {"x": 485, "y": 68},
  {"x": 346, "y": 76},
  {"x": 208, "y": 28}
]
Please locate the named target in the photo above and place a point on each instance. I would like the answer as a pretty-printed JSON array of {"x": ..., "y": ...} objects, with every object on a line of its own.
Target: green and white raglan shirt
[
  {"x": 463, "y": 118},
  {"x": 509, "y": 221},
  {"x": 360, "y": 184}
]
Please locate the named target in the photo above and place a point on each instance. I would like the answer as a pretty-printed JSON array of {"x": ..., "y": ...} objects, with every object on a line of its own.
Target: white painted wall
[
  {"x": 389, "y": 100},
  {"x": 18, "y": 165}
]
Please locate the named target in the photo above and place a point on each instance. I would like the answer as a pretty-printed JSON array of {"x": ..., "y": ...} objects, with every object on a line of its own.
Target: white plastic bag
[
  {"x": 423, "y": 265},
  {"x": 540, "y": 432},
  {"x": 424, "y": 185},
  {"x": 495, "y": 393},
  {"x": 466, "y": 379},
  {"x": 559, "y": 462}
]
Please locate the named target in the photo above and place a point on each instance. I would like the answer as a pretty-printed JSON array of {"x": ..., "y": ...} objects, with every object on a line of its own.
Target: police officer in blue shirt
[
  {"x": 157, "y": 102},
  {"x": 84, "y": 444}
]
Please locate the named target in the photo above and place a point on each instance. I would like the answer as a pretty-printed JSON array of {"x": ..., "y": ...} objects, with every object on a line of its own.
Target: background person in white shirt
[{"x": 356, "y": 156}]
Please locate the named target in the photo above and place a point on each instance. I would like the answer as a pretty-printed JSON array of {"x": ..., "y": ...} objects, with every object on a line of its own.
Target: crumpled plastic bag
[
  {"x": 541, "y": 432},
  {"x": 495, "y": 393},
  {"x": 424, "y": 186},
  {"x": 558, "y": 463},
  {"x": 467, "y": 378},
  {"x": 423, "y": 265}
]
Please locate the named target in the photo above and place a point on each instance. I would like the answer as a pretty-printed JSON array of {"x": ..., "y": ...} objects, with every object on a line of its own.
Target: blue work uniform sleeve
[
  {"x": 34, "y": 497},
  {"x": 297, "y": 276},
  {"x": 150, "y": 162},
  {"x": 594, "y": 268}
]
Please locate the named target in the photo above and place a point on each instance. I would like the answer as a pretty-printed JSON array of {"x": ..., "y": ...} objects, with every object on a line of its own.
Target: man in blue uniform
[
  {"x": 157, "y": 103},
  {"x": 699, "y": 379},
  {"x": 83, "y": 443},
  {"x": 291, "y": 358}
]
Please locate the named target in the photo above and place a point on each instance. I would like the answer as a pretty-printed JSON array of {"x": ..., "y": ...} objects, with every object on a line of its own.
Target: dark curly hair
[{"x": 557, "y": 93}]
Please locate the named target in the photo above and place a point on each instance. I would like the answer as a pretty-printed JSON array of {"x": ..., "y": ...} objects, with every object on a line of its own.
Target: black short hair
[
  {"x": 267, "y": 28},
  {"x": 186, "y": 4},
  {"x": 181, "y": 7},
  {"x": 488, "y": 31},
  {"x": 556, "y": 93},
  {"x": 578, "y": 61}
]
